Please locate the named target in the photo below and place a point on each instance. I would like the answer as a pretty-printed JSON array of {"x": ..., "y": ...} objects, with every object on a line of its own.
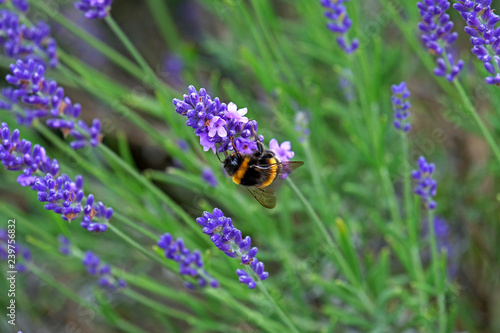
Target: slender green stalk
[
  {"x": 472, "y": 110},
  {"x": 310, "y": 210},
  {"x": 438, "y": 278},
  {"x": 101, "y": 47},
  {"x": 333, "y": 250},
  {"x": 412, "y": 226},
  {"x": 136, "y": 245},
  {"x": 153, "y": 189},
  {"x": 288, "y": 322}
]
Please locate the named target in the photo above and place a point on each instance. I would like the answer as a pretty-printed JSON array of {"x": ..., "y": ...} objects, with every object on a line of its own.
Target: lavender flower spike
[
  {"x": 485, "y": 38},
  {"x": 229, "y": 240},
  {"x": 437, "y": 36},
  {"x": 62, "y": 195},
  {"x": 190, "y": 263},
  {"x": 336, "y": 11},
  {"x": 94, "y": 9},
  {"x": 107, "y": 279},
  {"x": 34, "y": 96},
  {"x": 20, "y": 41},
  {"x": 218, "y": 125},
  {"x": 426, "y": 186},
  {"x": 400, "y": 105}
]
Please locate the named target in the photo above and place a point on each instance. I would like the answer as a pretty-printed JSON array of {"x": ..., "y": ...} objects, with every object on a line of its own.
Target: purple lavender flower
[
  {"x": 216, "y": 123},
  {"x": 18, "y": 155},
  {"x": 20, "y": 41},
  {"x": 208, "y": 176},
  {"x": 65, "y": 247},
  {"x": 33, "y": 96},
  {"x": 336, "y": 11},
  {"x": 437, "y": 36},
  {"x": 485, "y": 38},
  {"x": 443, "y": 241},
  {"x": 11, "y": 249},
  {"x": 401, "y": 105},
  {"x": 94, "y": 9},
  {"x": 282, "y": 151},
  {"x": 62, "y": 195},
  {"x": 426, "y": 186},
  {"x": 190, "y": 263},
  {"x": 107, "y": 279},
  {"x": 229, "y": 240}
]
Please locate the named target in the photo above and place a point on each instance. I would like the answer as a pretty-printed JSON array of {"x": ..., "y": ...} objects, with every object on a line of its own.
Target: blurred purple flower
[
  {"x": 400, "y": 105},
  {"x": 65, "y": 247},
  {"x": 426, "y": 186},
  {"x": 208, "y": 176},
  {"x": 190, "y": 263},
  {"x": 94, "y": 9},
  {"x": 33, "y": 96},
  {"x": 341, "y": 23},
  {"x": 20, "y": 41},
  {"x": 11, "y": 249},
  {"x": 107, "y": 279}
]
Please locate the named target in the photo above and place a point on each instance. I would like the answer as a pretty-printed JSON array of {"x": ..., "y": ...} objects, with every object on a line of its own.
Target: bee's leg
[{"x": 260, "y": 146}]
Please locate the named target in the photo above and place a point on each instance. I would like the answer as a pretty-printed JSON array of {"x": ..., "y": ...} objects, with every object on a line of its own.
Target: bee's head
[{"x": 232, "y": 163}]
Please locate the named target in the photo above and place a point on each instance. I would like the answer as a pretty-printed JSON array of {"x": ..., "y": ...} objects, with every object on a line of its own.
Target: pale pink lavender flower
[{"x": 283, "y": 151}]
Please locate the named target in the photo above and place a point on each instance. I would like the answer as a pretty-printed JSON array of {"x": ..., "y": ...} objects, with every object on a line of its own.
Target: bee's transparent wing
[{"x": 265, "y": 196}]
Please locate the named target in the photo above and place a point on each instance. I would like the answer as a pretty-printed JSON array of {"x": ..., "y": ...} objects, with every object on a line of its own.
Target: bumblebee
[{"x": 257, "y": 171}]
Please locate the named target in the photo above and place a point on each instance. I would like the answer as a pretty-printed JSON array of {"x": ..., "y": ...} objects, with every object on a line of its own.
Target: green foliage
[{"x": 345, "y": 246}]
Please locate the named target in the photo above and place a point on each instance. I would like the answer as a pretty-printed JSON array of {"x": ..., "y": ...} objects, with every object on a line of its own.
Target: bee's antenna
[{"x": 217, "y": 153}]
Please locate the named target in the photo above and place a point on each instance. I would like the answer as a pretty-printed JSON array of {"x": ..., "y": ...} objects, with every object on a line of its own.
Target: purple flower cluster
[
  {"x": 401, "y": 106},
  {"x": 485, "y": 38},
  {"x": 426, "y": 186},
  {"x": 336, "y": 11},
  {"x": 217, "y": 123},
  {"x": 190, "y": 263},
  {"x": 20, "y": 41},
  {"x": 106, "y": 279},
  {"x": 94, "y": 9},
  {"x": 282, "y": 151},
  {"x": 10, "y": 249},
  {"x": 18, "y": 155},
  {"x": 437, "y": 36},
  {"x": 34, "y": 96},
  {"x": 62, "y": 195},
  {"x": 229, "y": 240}
]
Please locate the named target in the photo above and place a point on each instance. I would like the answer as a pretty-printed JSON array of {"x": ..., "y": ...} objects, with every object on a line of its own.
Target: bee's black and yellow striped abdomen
[{"x": 250, "y": 170}]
